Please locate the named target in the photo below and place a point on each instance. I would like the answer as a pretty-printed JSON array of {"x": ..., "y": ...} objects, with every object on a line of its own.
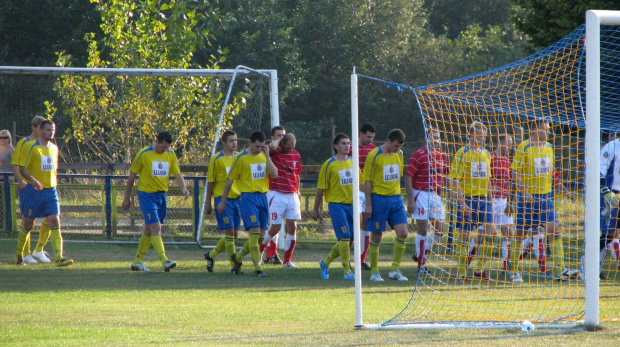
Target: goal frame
[{"x": 221, "y": 73}]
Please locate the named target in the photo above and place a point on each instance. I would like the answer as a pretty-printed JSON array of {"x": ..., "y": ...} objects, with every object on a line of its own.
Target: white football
[{"x": 527, "y": 326}]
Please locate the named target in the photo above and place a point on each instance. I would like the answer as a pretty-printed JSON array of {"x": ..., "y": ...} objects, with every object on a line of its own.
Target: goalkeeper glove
[{"x": 611, "y": 200}]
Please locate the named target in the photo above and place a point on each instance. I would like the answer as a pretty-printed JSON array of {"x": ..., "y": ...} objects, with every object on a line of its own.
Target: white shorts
[
  {"x": 362, "y": 202},
  {"x": 283, "y": 206},
  {"x": 499, "y": 212},
  {"x": 428, "y": 205}
]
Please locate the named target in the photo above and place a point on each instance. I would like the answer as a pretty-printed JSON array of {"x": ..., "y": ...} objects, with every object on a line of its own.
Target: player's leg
[
  {"x": 22, "y": 235},
  {"x": 28, "y": 204},
  {"x": 276, "y": 217},
  {"x": 44, "y": 235},
  {"x": 376, "y": 225},
  {"x": 143, "y": 247},
  {"x": 292, "y": 214},
  {"x": 398, "y": 218},
  {"x": 364, "y": 233},
  {"x": 51, "y": 210},
  {"x": 419, "y": 255}
]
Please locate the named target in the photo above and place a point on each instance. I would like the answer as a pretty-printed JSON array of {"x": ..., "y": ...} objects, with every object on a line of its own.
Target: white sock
[
  {"x": 418, "y": 240},
  {"x": 289, "y": 239},
  {"x": 267, "y": 239},
  {"x": 505, "y": 245}
]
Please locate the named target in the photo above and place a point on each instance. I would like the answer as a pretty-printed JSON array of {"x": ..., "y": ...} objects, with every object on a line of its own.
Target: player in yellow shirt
[
  {"x": 533, "y": 168},
  {"x": 154, "y": 165},
  {"x": 40, "y": 197},
  {"x": 230, "y": 220},
  {"x": 251, "y": 171},
  {"x": 383, "y": 170},
  {"x": 471, "y": 170},
  {"x": 39, "y": 255},
  {"x": 336, "y": 184}
]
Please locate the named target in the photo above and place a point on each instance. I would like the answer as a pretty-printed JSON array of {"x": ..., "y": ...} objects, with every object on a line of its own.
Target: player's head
[
  {"x": 341, "y": 144},
  {"x": 35, "y": 124},
  {"x": 395, "y": 140},
  {"x": 229, "y": 140},
  {"x": 477, "y": 133},
  {"x": 434, "y": 137},
  {"x": 505, "y": 144},
  {"x": 277, "y": 132},
  {"x": 47, "y": 130},
  {"x": 367, "y": 134},
  {"x": 288, "y": 142},
  {"x": 5, "y": 137},
  {"x": 257, "y": 142},
  {"x": 162, "y": 143},
  {"x": 613, "y": 132},
  {"x": 540, "y": 129}
]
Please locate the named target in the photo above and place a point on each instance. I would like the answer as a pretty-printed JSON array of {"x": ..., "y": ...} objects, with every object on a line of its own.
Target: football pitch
[{"x": 99, "y": 302}]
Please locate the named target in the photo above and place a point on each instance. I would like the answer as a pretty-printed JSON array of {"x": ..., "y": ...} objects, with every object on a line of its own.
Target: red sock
[
  {"x": 272, "y": 249},
  {"x": 365, "y": 252},
  {"x": 288, "y": 254}
]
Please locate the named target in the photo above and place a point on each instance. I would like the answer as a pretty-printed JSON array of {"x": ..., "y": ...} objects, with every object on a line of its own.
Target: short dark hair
[
  {"x": 226, "y": 135},
  {"x": 46, "y": 122},
  {"x": 540, "y": 122},
  {"x": 288, "y": 137},
  {"x": 257, "y": 136},
  {"x": 164, "y": 136},
  {"x": 367, "y": 127},
  {"x": 396, "y": 135},
  {"x": 337, "y": 139},
  {"x": 276, "y": 128}
]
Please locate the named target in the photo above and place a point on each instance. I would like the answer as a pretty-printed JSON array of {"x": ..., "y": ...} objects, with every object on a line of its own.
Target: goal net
[
  {"x": 519, "y": 130},
  {"x": 104, "y": 116}
]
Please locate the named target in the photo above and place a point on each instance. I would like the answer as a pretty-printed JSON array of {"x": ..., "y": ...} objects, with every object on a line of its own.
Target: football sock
[
  {"x": 56, "y": 243},
  {"x": 558, "y": 255},
  {"x": 26, "y": 249},
  {"x": 485, "y": 251},
  {"x": 254, "y": 250},
  {"x": 373, "y": 254},
  {"x": 345, "y": 254},
  {"x": 366, "y": 240},
  {"x": 219, "y": 248},
  {"x": 158, "y": 245},
  {"x": 143, "y": 248},
  {"x": 229, "y": 244},
  {"x": 291, "y": 240},
  {"x": 44, "y": 235},
  {"x": 514, "y": 254},
  {"x": 22, "y": 236},
  {"x": 399, "y": 251},
  {"x": 333, "y": 254},
  {"x": 272, "y": 247}
]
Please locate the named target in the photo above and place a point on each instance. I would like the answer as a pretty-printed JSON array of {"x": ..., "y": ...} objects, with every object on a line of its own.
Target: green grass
[{"x": 99, "y": 302}]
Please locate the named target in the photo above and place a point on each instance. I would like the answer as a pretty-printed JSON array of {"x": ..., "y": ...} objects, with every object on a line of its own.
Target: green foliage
[
  {"x": 113, "y": 117},
  {"x": 547, "y": 21}
]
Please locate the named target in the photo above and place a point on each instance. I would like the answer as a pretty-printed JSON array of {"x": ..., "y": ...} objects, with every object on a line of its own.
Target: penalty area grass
[{"x": 99, "y": 301}]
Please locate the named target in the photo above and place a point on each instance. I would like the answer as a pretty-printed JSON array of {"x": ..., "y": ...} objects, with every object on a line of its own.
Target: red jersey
[
  {"x": 427, "y": 169},
  {"x": 289, "y": 169},
  {"x": 501, "y": 176},
  {"x": 363, "y": 153}
]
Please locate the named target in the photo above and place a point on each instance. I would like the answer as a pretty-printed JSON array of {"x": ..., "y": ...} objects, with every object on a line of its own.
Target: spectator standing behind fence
[
  {"x": 6, "y": 151},
  {"x": 40, "y": 197},
  {"x": 18, "y": 159},
  {"x": 154, "y": 165}
]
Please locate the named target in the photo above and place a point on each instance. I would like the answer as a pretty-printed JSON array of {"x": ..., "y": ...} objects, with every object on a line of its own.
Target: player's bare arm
[
  {"x": 180, "y": 181},
  {"x": 128, "y": 187},
  {"x": 222, "y": 205},
  {"x": 273, "y": 170},
  {"x": 318, "y": 200},
  {"x": 409, "y": 189},
  {"x": 368, "y": 190},
  {"x": 208, "y": 207}
]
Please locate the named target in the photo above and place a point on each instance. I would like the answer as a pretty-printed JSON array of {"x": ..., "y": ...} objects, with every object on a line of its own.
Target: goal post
[
  {"x": 29, "y": 91},
  {"x": 594, "y": 20}
]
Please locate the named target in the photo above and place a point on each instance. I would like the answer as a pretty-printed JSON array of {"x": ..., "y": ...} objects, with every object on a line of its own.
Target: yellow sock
[
  {"x": 333, "y": 254},
  {"x": 373, "y": 254},
  {"x": 22, "y": 237},
  {"x": 57, "y": 245},
  {"x": 485, "y": 251},
  {"x": 143, "y": 248},
  {"x": 462, "y": 250},
  {"x": 245, "y": 250},
  {"x": 158, "y": 245},
  {"x": 345, "y": 254},
  {"x": 254, "y": 250},
  {"x": 558, "y": 255},
  {"x": 44, "y": 235},
  {"x": 399, "y": 251},
  {"x": 515, "y": 253},
  {"x": 229, "y": 244},
  {"x": 26, "y": 251},
  {"x": 219, "y": 248}
]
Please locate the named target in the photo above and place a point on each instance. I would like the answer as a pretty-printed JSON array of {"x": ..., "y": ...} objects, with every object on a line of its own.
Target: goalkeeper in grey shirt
[{"x": 610, "y": 189}]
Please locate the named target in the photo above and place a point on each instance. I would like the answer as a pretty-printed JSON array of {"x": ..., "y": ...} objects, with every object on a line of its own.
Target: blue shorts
[
  {"x": 254, "y": 210},
  {"x": 230, "y": 218},
  {"x": 532, "y": 214},
  {"x": 481, "y": 213},
  {"x": 153, "y": 206},
  {"x": 38, "y": 203},
  {"x": 342, "y": 219},
  {"x": 386, "y": 209}
]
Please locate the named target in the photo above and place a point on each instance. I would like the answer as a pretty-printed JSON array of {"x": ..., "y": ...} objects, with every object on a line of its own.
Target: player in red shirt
[
  {"x": 427, "y": 172},
  {"x": 271, "y": 250},
  {"x": 366, "y": 136},
  {"x": 284, "y": 196}
]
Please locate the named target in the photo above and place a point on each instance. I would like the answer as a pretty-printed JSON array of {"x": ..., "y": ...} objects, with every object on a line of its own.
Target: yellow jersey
[
  {"x": 473, "y": 171},
  {"x": 42, "y": 163},
  {"x": 21, "y": 150},
  {"x": 535, "y": 164},
  {"x": 384, "y": 171},
  {"x": 251, "y": 172},
  {"x": 336, "y": 180},
  {"x": 217, "y": 173},
  {"x": 154, "y": 169}
]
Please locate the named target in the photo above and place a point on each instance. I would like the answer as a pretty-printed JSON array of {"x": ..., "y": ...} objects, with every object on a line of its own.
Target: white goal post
[{"x": 594, "y": 20}]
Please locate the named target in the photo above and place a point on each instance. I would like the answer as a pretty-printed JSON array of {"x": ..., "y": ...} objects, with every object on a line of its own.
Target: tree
[
  {"x": 113, "y": 117},
  {"x": 547, "y": 21}
]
